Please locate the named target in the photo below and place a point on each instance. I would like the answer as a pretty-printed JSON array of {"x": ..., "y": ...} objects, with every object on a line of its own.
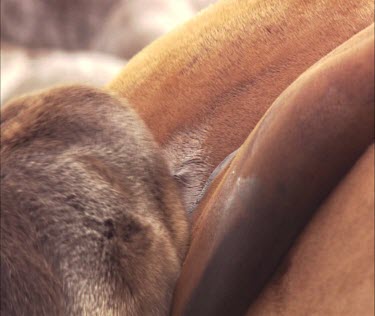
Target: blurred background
[{"x": 50, "y": 42}]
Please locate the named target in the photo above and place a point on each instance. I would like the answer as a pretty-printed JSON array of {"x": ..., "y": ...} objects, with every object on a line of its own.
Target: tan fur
[
  {"x": 306, "y": 143},
  {"x": 212, "y": 79},
  {"x": 221, "y": 75},
  {"x": 91, "y": 219},
  {"x": 330, "y": 270}
]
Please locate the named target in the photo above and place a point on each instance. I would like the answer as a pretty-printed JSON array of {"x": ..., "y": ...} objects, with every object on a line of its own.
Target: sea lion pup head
[{"x": 91, "y": 219}]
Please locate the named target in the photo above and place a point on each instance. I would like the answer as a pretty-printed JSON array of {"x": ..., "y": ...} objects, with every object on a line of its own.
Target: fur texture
[
  {"x": 212, "y": 79},
  {"x": 91, "y": 219}
]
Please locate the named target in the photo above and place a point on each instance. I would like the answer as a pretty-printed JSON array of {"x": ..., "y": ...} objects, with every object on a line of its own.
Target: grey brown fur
[{"x": 91, "y": 220}]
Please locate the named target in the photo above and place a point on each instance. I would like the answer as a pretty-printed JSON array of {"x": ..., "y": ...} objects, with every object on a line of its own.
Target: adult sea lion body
[
  {"x": 91, "y": 220},
  {"x": 212, "y": 79}
]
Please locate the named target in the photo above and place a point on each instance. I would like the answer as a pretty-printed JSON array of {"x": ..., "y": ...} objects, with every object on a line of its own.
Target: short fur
[
  {"x": 91, "y": 219},
  {"x": 212, "y": 79}
]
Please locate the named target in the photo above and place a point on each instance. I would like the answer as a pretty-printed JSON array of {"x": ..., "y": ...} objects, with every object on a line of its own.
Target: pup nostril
[
  {"x": 109, "y": 230},
  {"x": 129, "y": 231}
]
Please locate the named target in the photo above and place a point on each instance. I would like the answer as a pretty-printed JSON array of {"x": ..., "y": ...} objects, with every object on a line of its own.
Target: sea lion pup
[{"x": 91, "y": 219}]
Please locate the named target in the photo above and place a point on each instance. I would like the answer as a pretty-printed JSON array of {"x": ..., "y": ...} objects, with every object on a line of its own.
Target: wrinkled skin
[
  {"x": 211, "y": 87},
  {"x": 211, "y": 80},
  {"x": 309, "y": 139}
]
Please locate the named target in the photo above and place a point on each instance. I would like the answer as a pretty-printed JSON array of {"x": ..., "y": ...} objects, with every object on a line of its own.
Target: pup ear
[{"x": 308, "y": 140}]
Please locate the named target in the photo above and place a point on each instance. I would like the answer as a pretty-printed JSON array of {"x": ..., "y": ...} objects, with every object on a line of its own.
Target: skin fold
[
  {"x": 330, "y": 269},
  {"x": 308, "y": 140},
  {"x": 202, "y": 88},
  {"x": 260, "y": 77}
]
